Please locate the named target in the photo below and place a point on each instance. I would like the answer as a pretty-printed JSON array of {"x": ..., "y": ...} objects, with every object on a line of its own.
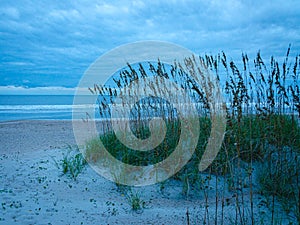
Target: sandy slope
[{"x": 34, "y": 191}]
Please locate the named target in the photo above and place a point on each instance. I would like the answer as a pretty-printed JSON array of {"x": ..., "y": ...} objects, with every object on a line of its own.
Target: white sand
[
  {"x": 28, "y": 136},
  {"x": 34, "y": 191}
]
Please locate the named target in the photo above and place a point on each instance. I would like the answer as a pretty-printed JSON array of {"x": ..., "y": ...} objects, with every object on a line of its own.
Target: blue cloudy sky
[{"x": 51, "y": 43}]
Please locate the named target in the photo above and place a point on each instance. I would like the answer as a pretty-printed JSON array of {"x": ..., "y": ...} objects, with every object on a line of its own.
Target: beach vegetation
[
  {"x": 72, "y": 163},
  {"x": 261, "y": 147},
  {"x": 135, "y": 201}
]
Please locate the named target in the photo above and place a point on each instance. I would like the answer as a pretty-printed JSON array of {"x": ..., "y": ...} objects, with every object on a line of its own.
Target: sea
[
  {"x": 37, "y": 107},
  {"x": 46, "y": 107},
  {"x": 43, "y": 107}
]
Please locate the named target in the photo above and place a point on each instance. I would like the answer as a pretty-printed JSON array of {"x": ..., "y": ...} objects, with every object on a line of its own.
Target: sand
[
  {"x": 32, "y": 135},
  {"x": 34, "y": 191}
]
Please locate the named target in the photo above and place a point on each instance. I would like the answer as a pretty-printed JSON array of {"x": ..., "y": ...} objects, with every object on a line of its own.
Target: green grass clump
[
  {"x": 250, "y": 138},
  {"x": 72, "y": 163},
  {"x": 135, "y": 201},
  {"x": 121, "y": 152}
]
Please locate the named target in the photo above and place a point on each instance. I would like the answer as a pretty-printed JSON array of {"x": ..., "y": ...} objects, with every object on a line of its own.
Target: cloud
[
  {"x": 53, "y": 44},
  {"x": 61, "y": 15},
  {"x": 19, "y": 63},
  {"x": 20, "y": 90},
  {"x": 10, "y": 12},
  {"x": 109, "y": 9}
]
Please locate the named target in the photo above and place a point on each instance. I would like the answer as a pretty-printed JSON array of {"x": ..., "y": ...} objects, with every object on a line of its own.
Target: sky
[{"x": 48, "y": 45}]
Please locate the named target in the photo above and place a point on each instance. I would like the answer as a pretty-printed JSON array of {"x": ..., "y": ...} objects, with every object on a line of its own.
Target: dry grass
[{"x": 262, "y": 111}]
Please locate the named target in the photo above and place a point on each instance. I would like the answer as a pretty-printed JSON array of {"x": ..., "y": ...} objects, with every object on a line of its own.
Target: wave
[{"x": 44, "y": 107}]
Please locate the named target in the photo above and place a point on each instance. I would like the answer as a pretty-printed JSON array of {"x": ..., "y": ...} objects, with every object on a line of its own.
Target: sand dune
[{"x": 34, "y": 191}]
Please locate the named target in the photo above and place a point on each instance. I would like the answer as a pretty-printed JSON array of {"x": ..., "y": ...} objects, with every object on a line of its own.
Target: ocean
[
  {"x": 37, "y": 107},
  {"x": 46, "y": 107},
  {"x": 50, "y": 107}
]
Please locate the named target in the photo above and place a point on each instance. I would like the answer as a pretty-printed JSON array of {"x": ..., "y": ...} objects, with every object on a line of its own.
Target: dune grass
[{"x": 262, "y": 133}]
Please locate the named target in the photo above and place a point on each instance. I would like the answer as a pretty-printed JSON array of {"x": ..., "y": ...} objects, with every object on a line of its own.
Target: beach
[
  {"x": 32, "y": 135},
  {"x": 33, "y": 190}
]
